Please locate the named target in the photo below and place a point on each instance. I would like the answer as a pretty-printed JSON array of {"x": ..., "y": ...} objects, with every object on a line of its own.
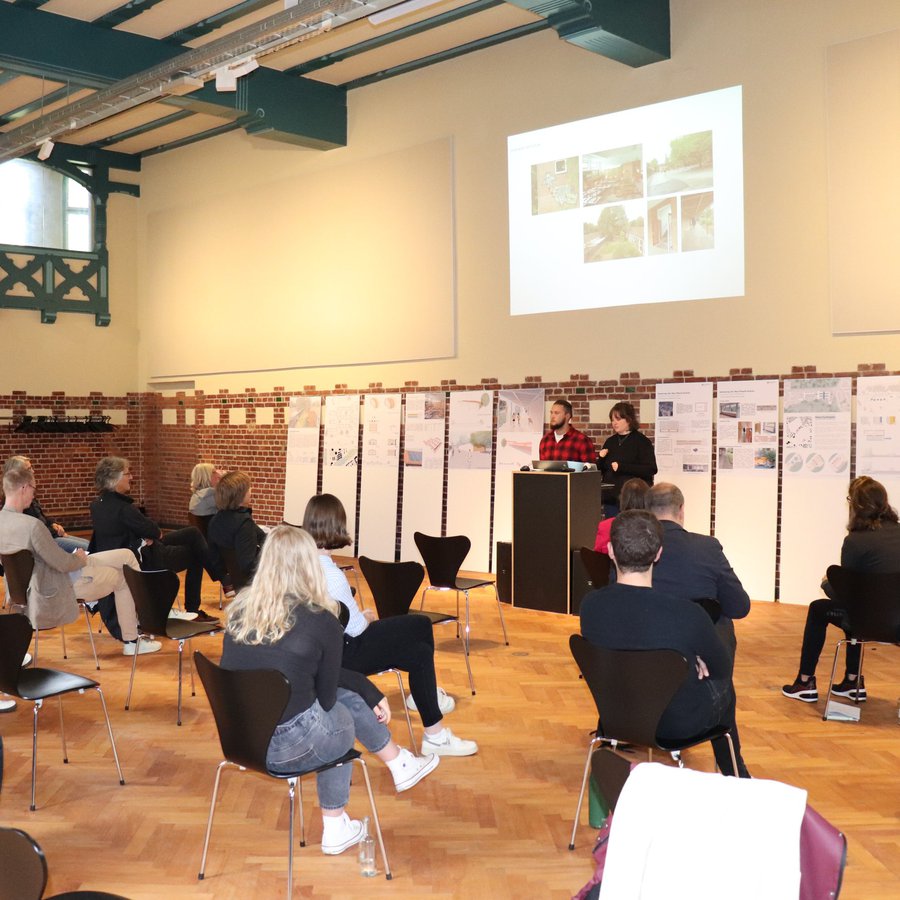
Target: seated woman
[
  {"x": 232, "y": 527},
  {"x": 401, "y": 642},
  {"x": 204, "y": 479},
  {"x": 872, "y": 545},
  {"x": 119, "y": 524},
  {"x": 630, "y": 497},
  {"x": 285, "y": 620}
]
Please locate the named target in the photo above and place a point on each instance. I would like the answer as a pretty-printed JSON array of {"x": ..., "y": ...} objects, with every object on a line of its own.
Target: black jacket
[
  {"x": 234, "y": 529},
  {"x": 119, "y": 524}
]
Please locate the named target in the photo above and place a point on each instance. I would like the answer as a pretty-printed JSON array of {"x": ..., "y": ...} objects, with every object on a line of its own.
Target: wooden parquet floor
[{"x": 491, "y": 826}]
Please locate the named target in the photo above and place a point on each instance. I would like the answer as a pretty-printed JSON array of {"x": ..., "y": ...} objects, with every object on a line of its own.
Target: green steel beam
[
  {"x": 453, "y": 15},
  {"x": 30, "y": 107},
  {"x": 294, "y": 110},
  {"x": 452, "y": 53},
  {"x": 123, "y": 13}
]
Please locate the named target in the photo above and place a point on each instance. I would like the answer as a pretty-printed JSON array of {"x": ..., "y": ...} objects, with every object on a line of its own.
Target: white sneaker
[
  {"x": 448, "y": 744},
  {"x": 409, "y": 770},
  {"x": 141, "y": 647},
  {"x": 341, "y": 836},
  {"x": 7, "y": 706},
  {"x": 27, "y": 660},
  {"x": 446, "y": 704},
  {"x": 182, "y": 614}
]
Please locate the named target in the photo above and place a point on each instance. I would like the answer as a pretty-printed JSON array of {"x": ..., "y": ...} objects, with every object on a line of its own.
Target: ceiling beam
[{"x": 295, "y": 110}]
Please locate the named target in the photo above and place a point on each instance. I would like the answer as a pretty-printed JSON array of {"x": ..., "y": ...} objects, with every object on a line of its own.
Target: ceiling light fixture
[
  {"x": 45, "y": 148},
  {"x": 227, "y": 76}
]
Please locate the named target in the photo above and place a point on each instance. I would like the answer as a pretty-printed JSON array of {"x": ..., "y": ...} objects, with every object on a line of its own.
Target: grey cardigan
[{"x": 51, "y": 597}]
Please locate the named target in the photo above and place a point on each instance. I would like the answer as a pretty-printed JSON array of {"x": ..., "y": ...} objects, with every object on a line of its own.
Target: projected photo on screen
[{"x": 640, "y": 206}]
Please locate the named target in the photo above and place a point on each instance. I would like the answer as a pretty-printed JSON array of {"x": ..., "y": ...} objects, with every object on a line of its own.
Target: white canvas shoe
[
  {"x": 140, "y": 647},
  {"x": 446, "y": 704},
  {"x": 408, "y": 770},
  {"x": 448, "y": 744},
  {"x": 340, "y": 834}
]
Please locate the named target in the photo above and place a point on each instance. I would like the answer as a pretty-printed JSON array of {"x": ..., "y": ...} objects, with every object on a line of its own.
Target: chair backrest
[
  {"x": 872, "y": 602},
  {"x": 154, "y": 593},
  {"x": 596, "y": 565},
  {"x": 247, "y": 705},
  {"x": 443, "y": 557},
  {"x": 394, "y": 585},
  {"x": 18, "y": 567},
  {"x": 236, "y": 574},
  {"x": 199, "y": 522},
  {"x": 632, "y": 688},
  {"x": 24, "y": 866},
  {"x": 15, "y": 636}
]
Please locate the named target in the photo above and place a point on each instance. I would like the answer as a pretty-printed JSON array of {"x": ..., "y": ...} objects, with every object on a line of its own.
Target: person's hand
[
  {"x": 382, "y": 711},
  {"x": 369, "y": 615},
  {"x": 702, "y": 671},
  {"x": 615, "y": 467},
  {"x": 603, "y": 452},
  {"x": 58, "y": 530},
  {"x": 81, "y": 554}
]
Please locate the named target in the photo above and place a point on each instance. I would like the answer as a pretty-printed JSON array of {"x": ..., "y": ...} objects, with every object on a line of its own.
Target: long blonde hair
[{"x": 288, "y": 575}]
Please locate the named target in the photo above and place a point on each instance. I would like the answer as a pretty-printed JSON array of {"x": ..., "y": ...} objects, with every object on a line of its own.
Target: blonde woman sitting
[{"x": 285, "y": 620}]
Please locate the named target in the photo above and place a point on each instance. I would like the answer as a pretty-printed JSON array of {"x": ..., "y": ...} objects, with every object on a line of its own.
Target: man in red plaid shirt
[{"x": 563, "y": 441}]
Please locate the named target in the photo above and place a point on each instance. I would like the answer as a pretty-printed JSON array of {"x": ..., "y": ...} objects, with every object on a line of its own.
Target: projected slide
[{"x": 640, "y": 206}]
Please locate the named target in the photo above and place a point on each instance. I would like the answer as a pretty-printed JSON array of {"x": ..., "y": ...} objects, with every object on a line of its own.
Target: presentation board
[
  {"x": 304, "y": 417},
  {"x": 340, "y": 462},
  {"x": 380, "y": 476}
]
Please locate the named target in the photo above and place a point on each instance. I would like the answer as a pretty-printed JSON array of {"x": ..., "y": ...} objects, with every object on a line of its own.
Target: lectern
[{"x": 554, "y": 513}]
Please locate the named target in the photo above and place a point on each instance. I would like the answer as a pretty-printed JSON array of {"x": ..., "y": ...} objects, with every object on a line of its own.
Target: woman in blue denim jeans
[{"x": 285, "y": 620}]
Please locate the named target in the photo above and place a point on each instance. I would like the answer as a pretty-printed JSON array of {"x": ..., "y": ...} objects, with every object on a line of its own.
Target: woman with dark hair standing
[
  {"x": 401, "y": 642},
  {"x": 872, "y": 545},
  {"x": 626, "y": 454}
]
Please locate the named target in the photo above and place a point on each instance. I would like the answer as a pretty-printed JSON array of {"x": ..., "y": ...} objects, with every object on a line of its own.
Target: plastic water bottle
[{"x": 367, "y": 852}]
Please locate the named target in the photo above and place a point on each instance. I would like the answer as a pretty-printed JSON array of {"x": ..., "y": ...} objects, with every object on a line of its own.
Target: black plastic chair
[
  {"x": 872, "y": 603},
  {"x": 238, "y": 577},
  {"x": 394, "y": 586},
  {"x": 632, "y": 689},
  {"x": 25, "y": 871},
  {"x": 36, "y": 685},
  {"x": 247, "y": 706},
  {"x": 19, "y": 567},
  {"x": 443, "y": 557},
  {"x": 596, "y": 565},
  {"x": 154, "y": 593},
  {"x": 201, "y": 523}
]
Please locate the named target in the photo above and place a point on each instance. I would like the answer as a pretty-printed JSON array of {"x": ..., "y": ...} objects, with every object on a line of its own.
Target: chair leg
[
  {"x": 112, "y": 740},
  {"x": 90, "y": 631},
  {"x": 862, "y": 656},
  {"x": 412, "y": 737},
  {"x": 180, "y": 667},
  {"x": 37, "y": 706},
  {"x": 365, "y": 768},
  {"x": 209, "y": 821},
  {"x": 837, "y": 650},
  {"x": 134, "y": 660},
  {"x": 468, "y": 665},
  {"x": 300, "y": 805},
  {"x": 500, "y": 610},
  {"x": 34, "y": 656},
  {"x": 62, "y": 730},
  {"x": 584, "y": 781},
  {"x": 62, "y": 631},
  {"x": 292, "y": 788}
]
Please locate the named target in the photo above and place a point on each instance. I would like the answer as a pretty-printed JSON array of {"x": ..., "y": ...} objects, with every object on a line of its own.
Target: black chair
[
  {"x": 872, "y": 602},
  {"x": 236, "y": 575},
  {"x": 247, "y": 706},
  {"x": 596, "y": 565},
  {"x": 201, "y": 523},
  {"x": 36, "y": 685},
  {"x": 394, "y": 586},
  {"x": 443, "y": 557},
  {"x": 19, "y": 567},
  {"x": 154, "y": 593},
  {"x": 632, "y": 689},
  {"x": 25, "y": 871}
]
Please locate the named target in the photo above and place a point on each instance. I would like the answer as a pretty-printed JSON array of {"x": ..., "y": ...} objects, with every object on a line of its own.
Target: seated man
[
  {"x": 67, "y": 541},
  {"x": 60, "y": 577},
  {"x": 118, "y": 523},
  {"x": 633, "y": 615}
]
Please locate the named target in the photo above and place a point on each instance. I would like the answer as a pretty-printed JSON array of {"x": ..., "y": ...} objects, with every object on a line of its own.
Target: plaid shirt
[{"x": 575, "y": 446}]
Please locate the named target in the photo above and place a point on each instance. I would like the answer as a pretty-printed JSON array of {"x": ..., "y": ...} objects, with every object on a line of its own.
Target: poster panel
[
  {"x": 469, "y": 473},
  {"x": 423, "y": 469},
  {"x": 340, "y": 461},
  {"x": 380, "y": 476},
  {"x": 684, "y": 417},
  {"x": 304, "y": 417},
  {"x": 878, "y": 431},
  {"x": 747, "y": 481},
  {"x": 520, "y": 423},
  {"x": 816, "y": 471}
]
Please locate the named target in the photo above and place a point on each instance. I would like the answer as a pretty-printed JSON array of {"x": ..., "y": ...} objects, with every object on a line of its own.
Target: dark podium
[{"x": 554, "y": 513}]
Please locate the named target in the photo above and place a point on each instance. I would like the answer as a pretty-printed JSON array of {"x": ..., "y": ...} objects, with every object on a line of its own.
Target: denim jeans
[
  {"x": 70, "y": 543},
  {"x": 316, "y": 737}
]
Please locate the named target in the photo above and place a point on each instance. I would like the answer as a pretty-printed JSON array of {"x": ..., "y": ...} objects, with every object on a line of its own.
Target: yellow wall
[{"x": 776, "y": 49}]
